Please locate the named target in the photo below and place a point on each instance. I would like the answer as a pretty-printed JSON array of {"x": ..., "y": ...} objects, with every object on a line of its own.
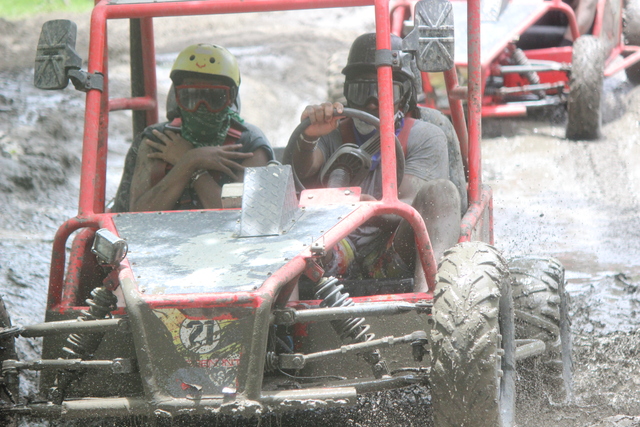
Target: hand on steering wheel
[
  {"x": 326, "y": 121},
  {"x": 323, "y": 119}
]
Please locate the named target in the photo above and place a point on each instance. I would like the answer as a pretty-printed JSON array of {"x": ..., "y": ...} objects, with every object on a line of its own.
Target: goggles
[
  {"x": 359, "y": 92},
  {"x": 215, "y": 98}
]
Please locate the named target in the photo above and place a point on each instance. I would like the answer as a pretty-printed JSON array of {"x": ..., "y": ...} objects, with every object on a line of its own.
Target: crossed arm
[{"x": 152, "y": 189}]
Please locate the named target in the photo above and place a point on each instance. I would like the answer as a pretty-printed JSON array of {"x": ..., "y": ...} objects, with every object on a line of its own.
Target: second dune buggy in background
[
  {"x": 183, "y": 313},
  {"x": 527, "y": 63}
]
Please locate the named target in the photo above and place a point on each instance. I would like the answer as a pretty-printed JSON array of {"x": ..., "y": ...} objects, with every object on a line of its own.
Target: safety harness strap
[{"x": 346, "y": 132}]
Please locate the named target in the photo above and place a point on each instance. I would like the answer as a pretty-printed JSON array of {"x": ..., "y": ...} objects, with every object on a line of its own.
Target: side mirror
[
  {"x": 431, "y": 39},
  {"x": 56, "y": 55}
]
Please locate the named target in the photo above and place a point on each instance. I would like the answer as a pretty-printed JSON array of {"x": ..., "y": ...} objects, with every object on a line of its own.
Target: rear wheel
[
  {"x": 473, "y": 345},
  {"x": 541, "y": 309},
  {"x": 632, "y": 36},
  {"x": 633, "y": 73},
  {"x": 632, "y": 22},
  {"x": 584, "y": 106},
  {"x": 9, "y": 387}
]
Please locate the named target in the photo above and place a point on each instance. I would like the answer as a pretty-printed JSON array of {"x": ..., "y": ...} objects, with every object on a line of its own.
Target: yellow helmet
[{"x": 206, "y": 59}]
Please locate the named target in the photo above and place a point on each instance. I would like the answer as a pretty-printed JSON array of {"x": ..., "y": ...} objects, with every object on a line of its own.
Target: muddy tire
[
  {"x": 8, "y": 389},
  {"x": 335, "y": 78},
  {"x": 633, "y": 74},
  {"x": 541, "y": 309},
  {"x": 631, "y": 18},
  {"x": 473, "y": 344},
  {"x": 584, "y": 105}
]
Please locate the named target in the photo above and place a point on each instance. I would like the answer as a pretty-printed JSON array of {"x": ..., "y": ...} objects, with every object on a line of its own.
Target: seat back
[{"x": 456, "y": 168}]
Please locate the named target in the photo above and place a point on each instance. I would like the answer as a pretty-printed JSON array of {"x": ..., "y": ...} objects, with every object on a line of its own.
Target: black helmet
[{"x": 362, "y": 59}]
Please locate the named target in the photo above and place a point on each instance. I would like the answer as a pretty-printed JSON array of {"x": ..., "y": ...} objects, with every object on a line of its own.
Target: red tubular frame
[
  {"x": 274, "y": 291},
  {"x": 92, "y": 185},
  {"x": 149, "y": 59},
  {"x": 475, "y": 100},
  {"x": 92, "y": 182},
  {"x": 457, "y": 115},
  {"x": 139, "y": 103},
  {"x": 470, "y": 220},
  {"x": 58, "y": 256}
]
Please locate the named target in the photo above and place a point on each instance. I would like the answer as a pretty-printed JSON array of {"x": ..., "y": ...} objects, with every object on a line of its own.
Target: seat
[{"x": 456, "y": 167}]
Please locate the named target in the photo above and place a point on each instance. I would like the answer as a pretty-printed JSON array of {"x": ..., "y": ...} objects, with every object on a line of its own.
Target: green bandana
[{"x": 203, "y": 128}]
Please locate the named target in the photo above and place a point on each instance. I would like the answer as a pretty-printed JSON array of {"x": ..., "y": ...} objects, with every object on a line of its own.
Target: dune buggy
[
  {"x": 208, "y": 312},
  {"x": 527, "y": 62}
]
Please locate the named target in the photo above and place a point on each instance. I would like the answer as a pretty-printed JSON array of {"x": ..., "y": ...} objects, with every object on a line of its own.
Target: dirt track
[{"x": 577, "y": 201}]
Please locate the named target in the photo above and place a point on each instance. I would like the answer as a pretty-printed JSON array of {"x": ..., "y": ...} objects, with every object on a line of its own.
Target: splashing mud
[{"x": 576, "y": 201}]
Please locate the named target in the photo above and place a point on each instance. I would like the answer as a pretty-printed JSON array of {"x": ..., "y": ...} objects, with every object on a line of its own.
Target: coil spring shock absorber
[
  {"x": 82, "y": 346},
  {"x": 521, "y": 59},
  {"x": 330, "y": 292}
]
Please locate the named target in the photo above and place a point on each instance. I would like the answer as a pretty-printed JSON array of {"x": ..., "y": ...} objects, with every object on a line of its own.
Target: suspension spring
[
  {"x": 521, "y": 59},
  {"x": 102, "y": 303},
  {"x": 82, "y": 346},
  {"x": 271, "y": 362},
  {"x": 332, "y": 296}
]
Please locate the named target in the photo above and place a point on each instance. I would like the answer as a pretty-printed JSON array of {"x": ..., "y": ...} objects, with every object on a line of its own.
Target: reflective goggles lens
[
  {"x": 359, "y": 92},
  {"x": 214, "y": 98}
]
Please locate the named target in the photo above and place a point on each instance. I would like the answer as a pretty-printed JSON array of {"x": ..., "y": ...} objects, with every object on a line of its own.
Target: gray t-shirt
[{"x": 426, "y": 157}]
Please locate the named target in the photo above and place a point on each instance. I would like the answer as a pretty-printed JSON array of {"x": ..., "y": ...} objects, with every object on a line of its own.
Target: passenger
[
  {"x": 185, "y": 163},
  {"x": 383, "y": 247}
]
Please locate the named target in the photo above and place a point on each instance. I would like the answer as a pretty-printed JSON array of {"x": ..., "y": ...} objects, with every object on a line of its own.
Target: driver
[
  {"x": 185, "y": 163},
  {"x": 384, "y": 247}
]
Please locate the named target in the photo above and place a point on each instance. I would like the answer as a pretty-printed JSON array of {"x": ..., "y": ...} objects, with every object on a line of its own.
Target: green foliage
[{"x": 17, "y": 9}]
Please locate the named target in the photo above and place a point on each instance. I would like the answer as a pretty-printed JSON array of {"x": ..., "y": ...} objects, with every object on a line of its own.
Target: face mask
[
  {"x": 363, "y": 128},
  {"x": 203, "y": 128}
]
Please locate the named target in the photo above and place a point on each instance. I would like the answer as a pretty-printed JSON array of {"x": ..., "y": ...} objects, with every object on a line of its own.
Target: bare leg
[{"x": 438, "y": 202}]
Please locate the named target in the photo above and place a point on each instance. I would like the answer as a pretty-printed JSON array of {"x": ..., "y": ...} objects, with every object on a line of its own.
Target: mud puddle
[{"x": 577, "y": 201}]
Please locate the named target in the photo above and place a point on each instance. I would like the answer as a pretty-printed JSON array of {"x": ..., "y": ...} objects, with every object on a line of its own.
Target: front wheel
[
  {"x": 541, "y": 307},
  {"x": 584, "y": 105},
  {"x": 473, "y": 344}
]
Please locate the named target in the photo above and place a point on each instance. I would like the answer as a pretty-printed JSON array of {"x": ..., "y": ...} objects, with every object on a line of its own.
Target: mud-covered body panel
[{"x": 201, "y": 251}]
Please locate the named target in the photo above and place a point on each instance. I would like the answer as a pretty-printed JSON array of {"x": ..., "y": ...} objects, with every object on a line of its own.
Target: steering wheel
[{"x": 350, "y": 113}]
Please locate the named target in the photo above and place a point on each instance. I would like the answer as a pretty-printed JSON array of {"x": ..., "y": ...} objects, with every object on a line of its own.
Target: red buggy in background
[
  {"x": 528, "y": 63},
  {"x": 177, "y": 314}
]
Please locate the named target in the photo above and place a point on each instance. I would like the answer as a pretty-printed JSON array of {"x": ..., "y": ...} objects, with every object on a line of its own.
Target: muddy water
[{"x": 577, "y": 201}]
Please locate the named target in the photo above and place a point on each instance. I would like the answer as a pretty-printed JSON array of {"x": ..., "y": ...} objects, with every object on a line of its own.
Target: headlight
[{"x": 109, "y": 248}]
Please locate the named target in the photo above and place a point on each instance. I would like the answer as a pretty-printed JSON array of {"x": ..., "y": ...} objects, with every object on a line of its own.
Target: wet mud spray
[{"x": 577, "y": 201}]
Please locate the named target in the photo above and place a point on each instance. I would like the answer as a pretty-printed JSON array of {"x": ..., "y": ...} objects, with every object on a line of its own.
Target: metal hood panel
[{"x": 201, "y": 251}]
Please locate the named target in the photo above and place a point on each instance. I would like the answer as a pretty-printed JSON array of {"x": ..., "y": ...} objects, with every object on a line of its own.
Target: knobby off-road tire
[
  {"x": 7, "y": 351},
  {"x": 541, "y": 308},
  {"x": 473, "y": 345},
  {"x": 584, "y": 105},
  {"x": 631, "y": 31},
  {"x": 631, "y": 18}
]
